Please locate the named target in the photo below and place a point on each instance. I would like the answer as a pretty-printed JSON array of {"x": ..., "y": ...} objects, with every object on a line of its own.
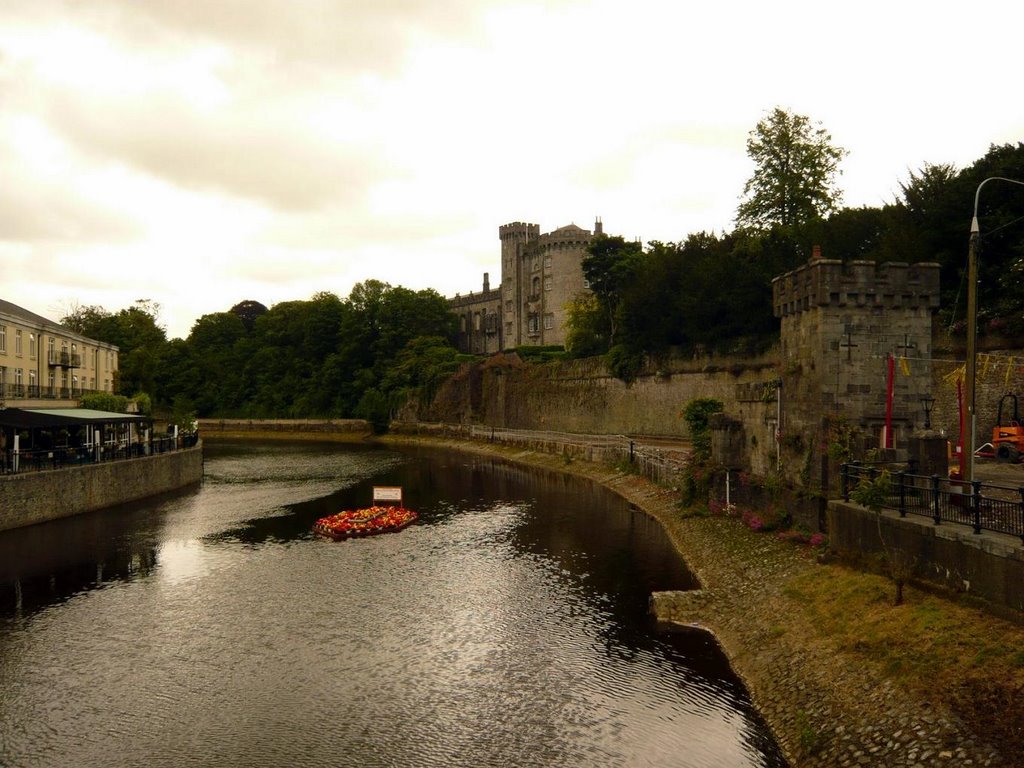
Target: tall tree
[
  {"x": 140, "y": 339},
  {"x": 794, "y": 175},
  {"x": 608, "y": 267}
]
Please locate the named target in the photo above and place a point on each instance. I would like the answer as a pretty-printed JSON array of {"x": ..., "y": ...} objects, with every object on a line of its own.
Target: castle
[{"x": 540, "y": 276}]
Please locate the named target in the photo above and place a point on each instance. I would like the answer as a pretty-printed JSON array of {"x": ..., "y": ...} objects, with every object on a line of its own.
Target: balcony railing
[
  {"x": 65, "y": 359},
  {"x": 40, "y": 392}
]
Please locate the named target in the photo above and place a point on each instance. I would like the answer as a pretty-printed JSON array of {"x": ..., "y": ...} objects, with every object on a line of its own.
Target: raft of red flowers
[{"x": 364, "y": 522}]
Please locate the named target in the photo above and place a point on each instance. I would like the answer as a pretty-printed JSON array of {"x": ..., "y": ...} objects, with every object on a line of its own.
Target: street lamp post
[
  {"x": 927, "y": 402},
  {"x": 971, "y": 373}
]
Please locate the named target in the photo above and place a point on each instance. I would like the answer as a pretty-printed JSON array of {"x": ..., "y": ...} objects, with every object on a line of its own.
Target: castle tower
[
  {"x": 515, "y": 238},
  {"x": 841, "y": 324}
]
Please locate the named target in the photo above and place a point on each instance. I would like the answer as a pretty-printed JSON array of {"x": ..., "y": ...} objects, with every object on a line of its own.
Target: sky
[{"x": 197, "y": 153}]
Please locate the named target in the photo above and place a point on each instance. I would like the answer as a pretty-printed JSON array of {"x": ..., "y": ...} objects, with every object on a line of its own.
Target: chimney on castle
[
  {"x": 487, "y": 282},
  {"x": 598, "y": 227},
  {"x": 816, "y": 253}
]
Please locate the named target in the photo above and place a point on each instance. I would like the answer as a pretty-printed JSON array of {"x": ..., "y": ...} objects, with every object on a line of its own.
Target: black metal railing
[
  {"x": 983, "y": 506},
  {"x": 65, "y": 359},
  {"x": 43, "y": 392},
  {"x": 71, "y": 456}
]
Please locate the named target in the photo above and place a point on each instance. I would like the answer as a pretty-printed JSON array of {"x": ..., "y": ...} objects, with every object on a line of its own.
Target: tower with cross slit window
[{"x": 841, "y": 326}]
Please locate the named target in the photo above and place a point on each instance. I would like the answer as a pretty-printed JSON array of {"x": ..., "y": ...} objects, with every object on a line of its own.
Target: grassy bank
[{"x": 938, "y": 648}]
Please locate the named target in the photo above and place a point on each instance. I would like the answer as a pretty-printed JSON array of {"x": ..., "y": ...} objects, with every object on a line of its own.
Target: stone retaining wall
[
  {"x": 224, "y": 426},
  {"x": 36, "y": 497},
  {"x": 987, "y": 565}
]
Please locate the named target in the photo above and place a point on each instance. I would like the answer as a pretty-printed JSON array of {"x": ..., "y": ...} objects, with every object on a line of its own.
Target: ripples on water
[{"x": 507, "y": 628}]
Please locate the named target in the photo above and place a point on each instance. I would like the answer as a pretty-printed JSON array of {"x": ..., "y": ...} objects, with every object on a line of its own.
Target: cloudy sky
[{"x": 201, "y": 152}]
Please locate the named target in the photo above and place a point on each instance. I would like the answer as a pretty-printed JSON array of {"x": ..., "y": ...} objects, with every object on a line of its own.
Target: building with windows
[
  {"x": 42, "y": 361},
  {"x": 541, "y": 274}
]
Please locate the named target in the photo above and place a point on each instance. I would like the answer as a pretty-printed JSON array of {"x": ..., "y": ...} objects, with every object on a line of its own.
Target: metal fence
[
  {"x": 662, "y": 466},
  {"x": 983, "y": 506}
]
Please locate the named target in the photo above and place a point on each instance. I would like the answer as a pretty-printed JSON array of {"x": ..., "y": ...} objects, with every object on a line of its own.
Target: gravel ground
[{"x": 825, "y": 709}]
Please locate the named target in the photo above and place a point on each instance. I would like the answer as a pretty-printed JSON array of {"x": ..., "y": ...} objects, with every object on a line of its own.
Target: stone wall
[
  {"x": 582, "y": 396},
  {"x": 218, "y": 427},
  {"x": 987, "y": 565},
  {"x": 843, "y": 325},
  {"x": 1000, "y": 371},
  {"x": 840, "y": 326},
  {"x": 479, "y": 320},
  {"x": 36, "y": 497}
]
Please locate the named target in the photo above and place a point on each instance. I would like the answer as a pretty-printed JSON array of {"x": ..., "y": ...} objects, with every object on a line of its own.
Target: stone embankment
[
  {"x": 289, "y": 429},
  {"x": 826, "y": 709}
]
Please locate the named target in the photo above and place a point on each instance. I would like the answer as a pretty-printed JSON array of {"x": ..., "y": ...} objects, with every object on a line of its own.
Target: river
[{"x": 507, "y": 627}]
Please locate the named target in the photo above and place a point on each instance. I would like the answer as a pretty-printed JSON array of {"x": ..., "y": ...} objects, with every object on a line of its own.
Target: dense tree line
[
  {"x": 713, "y": 291},
  {"x": 327, "y": 356}
]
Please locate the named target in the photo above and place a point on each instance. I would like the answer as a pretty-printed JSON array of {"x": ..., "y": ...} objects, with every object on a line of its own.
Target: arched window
[{"x": 535, "y": 287}]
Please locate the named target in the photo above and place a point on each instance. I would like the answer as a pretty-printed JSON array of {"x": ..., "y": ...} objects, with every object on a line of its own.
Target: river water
[{"x": 506, "y": 628}]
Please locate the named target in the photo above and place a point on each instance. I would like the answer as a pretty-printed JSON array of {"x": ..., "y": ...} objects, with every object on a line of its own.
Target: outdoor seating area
[{"x": 33, "y": 440}]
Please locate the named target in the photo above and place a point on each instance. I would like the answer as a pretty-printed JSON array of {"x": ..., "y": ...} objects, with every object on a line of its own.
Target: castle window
[
  {"x": 32, "y": 346},
  {"x": 549, "y": 321},
  {"x": 547, "y": 283},
  {"x": 547, "y": 262},
  {"x": 532, "y": 324},
  {"x": 3, "y": 338},
  {"x": 508, "y": 306},
  {"x": 17, "y": 342},
  {"x": 476, "y": 321},
  {"x": 462, "y": 323},
  {"x": 535, "y": 287},
  {"x": 536, "y": 263}
]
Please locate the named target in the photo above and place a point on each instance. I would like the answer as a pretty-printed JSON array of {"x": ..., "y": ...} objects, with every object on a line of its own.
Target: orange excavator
[{"x": 1008, "y": 435}]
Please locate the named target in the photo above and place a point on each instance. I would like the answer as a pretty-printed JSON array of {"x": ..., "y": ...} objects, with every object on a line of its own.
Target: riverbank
[
  {"x": 331, "y": 430},
  {"x": 842, "y": 677},
  {"x": 38, "y": 497}
]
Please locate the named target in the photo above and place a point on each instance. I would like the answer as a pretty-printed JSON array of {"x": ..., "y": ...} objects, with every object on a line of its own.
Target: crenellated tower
[
  {"x": 841, "y": 323},
  {"x": 515, "y": 240}
]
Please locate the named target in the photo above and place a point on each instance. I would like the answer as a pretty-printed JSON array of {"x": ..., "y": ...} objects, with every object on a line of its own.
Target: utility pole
[{"x": 972, "y": 339}]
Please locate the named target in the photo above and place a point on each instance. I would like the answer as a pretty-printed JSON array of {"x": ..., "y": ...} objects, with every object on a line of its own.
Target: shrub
[{"x": 697, "y": 414}]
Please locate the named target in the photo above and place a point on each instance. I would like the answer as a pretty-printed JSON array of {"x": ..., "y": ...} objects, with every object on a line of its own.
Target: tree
[
  {"x": 794, "y": 176},
  {"x": 585, "y": 327},
  {"x": 608, "y": 267},
  {"x": 140, "y": 339},
  {"x": 248, "y": 311}
]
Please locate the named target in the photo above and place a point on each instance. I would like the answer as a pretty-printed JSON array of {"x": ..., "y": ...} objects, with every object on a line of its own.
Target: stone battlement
[
  {"x": 519, "y": 230},
  {"x": 830, "y": 282},
  {"x": 468, "y": 299},
  {"x": 565, "y": 237}
]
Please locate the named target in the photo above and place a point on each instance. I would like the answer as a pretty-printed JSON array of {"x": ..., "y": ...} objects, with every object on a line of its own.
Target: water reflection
[
  {"x": 507, "y": 627},
  {"x": 49, "y": 563}
]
